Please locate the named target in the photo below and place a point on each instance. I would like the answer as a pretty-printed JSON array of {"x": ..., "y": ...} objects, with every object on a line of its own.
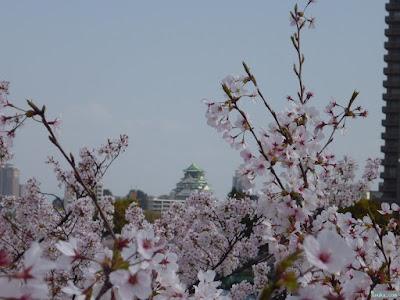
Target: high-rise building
[
  {"x": 99, "y": 191},
  {"x": 193, "y": 180},
  {"x": 237, "y": 181},
  {"x": 390, "y": 188},
  {"x": 69, "y": 198},
  {"x": 9, "y": 180}
]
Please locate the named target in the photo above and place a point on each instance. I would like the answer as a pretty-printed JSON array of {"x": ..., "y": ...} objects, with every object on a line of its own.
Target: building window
[
  {"x": 393, "y": 104},
  {"x": 391, "y": 130},
  {"x": 393, "y": 78},
  {"x": 396, "y": 14},
  {"x": 394, "y": 39},
  {"x": 391, "y": 171},
  {"x": 395, "y": 65},
  {"x": 393, "y": 143},
  {"x": 393, "y": 91},
  {"x": 394, "y": 51},
  {"x": 394, "y": 26}
]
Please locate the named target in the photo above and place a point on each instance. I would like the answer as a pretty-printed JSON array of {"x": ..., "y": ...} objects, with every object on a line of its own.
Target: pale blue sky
[{"x": 143, "y": 67}]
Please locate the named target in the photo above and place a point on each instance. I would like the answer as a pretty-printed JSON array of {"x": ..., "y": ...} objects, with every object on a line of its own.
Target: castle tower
[{"x": 193, "y": 180}]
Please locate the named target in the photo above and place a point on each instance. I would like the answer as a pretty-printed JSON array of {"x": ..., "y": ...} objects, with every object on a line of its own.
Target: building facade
[
  {"x": 193, "y": 180},
  {"x": 9, "y": 180},
  {"x": 390, "y": 188},
  {"x": 162, "y": 205},
  {"x": 99, "y": 191},
  {"x": 69, "y": 198},
  {"x": 237, "y": 181}
]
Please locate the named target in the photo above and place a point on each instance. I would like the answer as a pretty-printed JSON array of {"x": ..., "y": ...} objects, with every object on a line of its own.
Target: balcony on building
[
  {"x": 390, "y": 109},
  {"x": 390, "y": 122},
  {"x": 390, "y": 160},
  {"x": 385, "y": 175},
  {"x": 391, "y": 19},
  {"x": 391, "y": 57},
  {"x": 390, "y": 135},
  {"x": 392, "y": 44},
  {"x": 389, "y": 148},
  {"x": 393, "y": 5},
  {"x": 391, "y": 97},
  {"x": 393, "y": 30},
  {"x": 394, "y": 69},
  {"x": 392, "y": 82}
]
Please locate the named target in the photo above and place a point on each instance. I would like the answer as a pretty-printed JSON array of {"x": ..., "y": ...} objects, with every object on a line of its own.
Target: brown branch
[{"x": 78, "y": 177}]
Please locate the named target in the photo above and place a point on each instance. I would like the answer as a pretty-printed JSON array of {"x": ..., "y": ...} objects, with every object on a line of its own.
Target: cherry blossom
[
  {"x": 385, "y": 209},
  {"x": 131, "y": 285},
  {"x": 328, "y": 251},
  {"x": 57, "y": 126}
]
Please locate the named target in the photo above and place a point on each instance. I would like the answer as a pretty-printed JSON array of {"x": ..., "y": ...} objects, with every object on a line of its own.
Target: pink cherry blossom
[
  {"x": 148, "y": 244},
  {"x": 312, "y": 23},
  {"x": 328, "y": 251},
  {"x": 57, "y": 126},
  {"x": 385, "y": 209},
  {"x": 132, "y": 285}
]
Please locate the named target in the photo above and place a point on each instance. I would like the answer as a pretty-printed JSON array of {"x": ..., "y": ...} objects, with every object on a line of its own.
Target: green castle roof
[{"x": 193, "y": 168}]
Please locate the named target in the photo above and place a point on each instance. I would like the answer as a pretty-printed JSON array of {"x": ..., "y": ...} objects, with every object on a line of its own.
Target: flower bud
[
  {"x": 30, "y": 113},
  {"x": 31, "y": 104}
]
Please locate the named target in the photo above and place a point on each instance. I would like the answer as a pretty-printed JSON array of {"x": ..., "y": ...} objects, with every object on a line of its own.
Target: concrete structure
[
  {"x": 9, "y": 180},
  {"x": 99, "y": 191},
  {"x": 390, "y": 188},
  {"x": 162, "y": 205},
  {"x": 193, "y": 180},
  {"x": 22, "y": 189},
  {"x": 237, "y": 181},
  {"x": 373, "y": 195}
]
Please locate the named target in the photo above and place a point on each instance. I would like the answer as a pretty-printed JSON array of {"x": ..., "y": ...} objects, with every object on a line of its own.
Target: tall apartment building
[
  {"x": 68, "y": 198},
  {"x": 237, "y": 181},
  {"x": 9, "y": 180},
  {"x": 99, "y": 191},
  {"x": 391, "y": 175}
]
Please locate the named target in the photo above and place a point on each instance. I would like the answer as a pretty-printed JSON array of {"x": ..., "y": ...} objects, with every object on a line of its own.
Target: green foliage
[
  {"x": 152, "y": 215},
  {"x": 363, "y": 207},
  {"x": 239, "y": 194},
  {"x": 107, "y": 192},
  {"x": 141, "y": 197},
  {"x": 281, "y": 277},
  {"x": 234, "y": 193},
  {"x": 120, "y": 206}
]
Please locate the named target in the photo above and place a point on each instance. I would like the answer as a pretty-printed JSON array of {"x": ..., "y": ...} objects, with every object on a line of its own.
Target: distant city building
[
  {"x": 132, "y": 194},
  {"x": 67, "y": 198},
  {"x": 193, "y": 180},
  {"x": 162, "y": 205},
  {"x": 140, "y": 197},
  {"x": 9, "y": 180},
  {"x": 22, "y": 189},
  {"x": 373, "y": 195},
  {"x": 237, "y": 184},
  {"x": 99, "y": 191},
  {"x": 390, "y": 188},
  {"x": 237, "y": 181}
]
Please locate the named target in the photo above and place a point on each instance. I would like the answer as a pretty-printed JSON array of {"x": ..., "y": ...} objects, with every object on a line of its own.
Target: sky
[{"x": 143, "y": 68}]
